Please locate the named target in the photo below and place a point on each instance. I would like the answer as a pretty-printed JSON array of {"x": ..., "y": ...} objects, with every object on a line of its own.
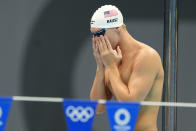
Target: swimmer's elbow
[
  {"x": 100, "y": 111},
  {"x": 100, "y": 108}
]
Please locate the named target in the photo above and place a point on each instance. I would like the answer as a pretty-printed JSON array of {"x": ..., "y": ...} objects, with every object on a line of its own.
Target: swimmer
[{"x": 127, "y": 69}]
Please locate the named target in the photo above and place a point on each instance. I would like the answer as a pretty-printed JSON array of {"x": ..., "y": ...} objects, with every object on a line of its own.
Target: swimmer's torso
[{"x": 147, "y": 118}]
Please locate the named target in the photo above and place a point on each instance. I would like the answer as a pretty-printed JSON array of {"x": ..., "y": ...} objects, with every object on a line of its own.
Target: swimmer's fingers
[
  {"x": 98, "y": 57},
  {"x": 108, "y": 43},
  {"x": 100, "y": 45},
  {"x": 103, "y": 43},
  {"x": 97, "y": 50}
]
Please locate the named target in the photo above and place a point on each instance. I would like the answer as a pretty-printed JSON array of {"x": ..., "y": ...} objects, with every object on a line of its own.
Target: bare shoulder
[{"x": 148, "y": 58}]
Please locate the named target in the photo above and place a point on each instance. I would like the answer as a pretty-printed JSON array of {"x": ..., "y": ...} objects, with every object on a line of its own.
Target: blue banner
[
  {"x": 122, "y": 115},
  {"x": 79, "y": 114},
  {"x": 5, "y": 104}
]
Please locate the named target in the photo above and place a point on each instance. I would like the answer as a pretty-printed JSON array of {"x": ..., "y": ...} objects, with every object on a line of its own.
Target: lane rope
[{"x": 101, "y": 101}]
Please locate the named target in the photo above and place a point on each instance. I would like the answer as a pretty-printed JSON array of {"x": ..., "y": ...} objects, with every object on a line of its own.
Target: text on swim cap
[{"x": 112, "y": 20}]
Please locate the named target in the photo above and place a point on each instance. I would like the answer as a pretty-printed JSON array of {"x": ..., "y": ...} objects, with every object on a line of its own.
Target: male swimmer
[{"x": 127, "y": 69}]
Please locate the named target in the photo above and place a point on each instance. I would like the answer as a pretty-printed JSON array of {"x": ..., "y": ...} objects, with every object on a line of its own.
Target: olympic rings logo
[
  {"x": 79, "y": 113},
  {"x": 122, "y": 112}
]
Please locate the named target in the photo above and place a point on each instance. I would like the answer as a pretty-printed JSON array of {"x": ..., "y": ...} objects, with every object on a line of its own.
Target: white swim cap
[{"x": 108, "y": 16}]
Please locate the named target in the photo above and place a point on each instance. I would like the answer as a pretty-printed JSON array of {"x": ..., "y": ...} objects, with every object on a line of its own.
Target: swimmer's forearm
[
  {"x": 98, "y": 88},
  {"x": 120, "y": 90}
]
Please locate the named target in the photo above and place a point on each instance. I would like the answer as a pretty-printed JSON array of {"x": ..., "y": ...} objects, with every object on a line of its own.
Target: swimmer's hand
[
  {"x": 97, "y": 56},
  {"x": 109, "y": 56}
]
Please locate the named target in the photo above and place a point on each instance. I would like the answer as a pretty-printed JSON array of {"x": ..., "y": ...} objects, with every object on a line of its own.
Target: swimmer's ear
[{"x": 117, "y": 30}]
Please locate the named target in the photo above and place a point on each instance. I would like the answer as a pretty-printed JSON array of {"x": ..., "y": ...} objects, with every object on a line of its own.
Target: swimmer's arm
[
  {"x": 140, "y": 82},
  {"x": 99, "y": 91}
]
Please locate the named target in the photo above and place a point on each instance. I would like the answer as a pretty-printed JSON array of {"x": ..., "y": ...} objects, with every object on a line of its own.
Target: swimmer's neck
[{"x": 128, "y": 44}]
